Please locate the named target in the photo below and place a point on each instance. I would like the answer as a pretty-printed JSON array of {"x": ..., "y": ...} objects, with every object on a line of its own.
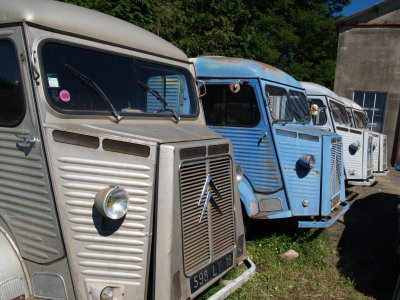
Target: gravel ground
[{"x": 366, "y": 237}]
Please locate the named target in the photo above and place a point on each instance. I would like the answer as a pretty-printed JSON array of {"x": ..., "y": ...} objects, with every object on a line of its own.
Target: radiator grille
[
  {"x": 214, "y": 235},
  {"x": 336, "y": 170},
  {"x": 369, "y": 157},
  {"x": 384, "y": 153}
]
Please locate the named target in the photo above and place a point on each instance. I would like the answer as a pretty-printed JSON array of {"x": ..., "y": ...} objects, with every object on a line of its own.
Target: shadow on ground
[{"x": 367, "y": 246}]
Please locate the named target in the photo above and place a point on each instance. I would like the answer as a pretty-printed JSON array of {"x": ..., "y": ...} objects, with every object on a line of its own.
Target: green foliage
[
  {"x": 296, "y": 36},
  {"x": 138, "y": 12}
]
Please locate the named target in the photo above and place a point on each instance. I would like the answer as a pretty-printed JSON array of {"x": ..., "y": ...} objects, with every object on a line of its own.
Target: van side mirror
[
  {"x": 201, "y": 86},
  {"x": 314, "y": 109}
]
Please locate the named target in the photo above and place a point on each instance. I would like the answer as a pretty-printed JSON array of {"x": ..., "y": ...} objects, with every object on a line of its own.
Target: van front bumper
[
  {"x": 325, "y": 224},
  {"x": 235, "y": 284}
]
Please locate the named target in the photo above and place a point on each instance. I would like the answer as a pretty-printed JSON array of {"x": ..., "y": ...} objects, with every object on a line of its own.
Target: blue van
[{"x": 290, "y": 168}]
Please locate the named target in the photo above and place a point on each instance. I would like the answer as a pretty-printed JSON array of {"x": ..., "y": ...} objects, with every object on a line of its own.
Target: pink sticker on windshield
[{"x": 65, "y": 96}]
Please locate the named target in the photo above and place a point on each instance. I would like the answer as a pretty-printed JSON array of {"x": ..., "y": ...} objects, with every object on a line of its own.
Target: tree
[
  {"x": 297, "y": 36},
  {"x": 138, "y": 12}
]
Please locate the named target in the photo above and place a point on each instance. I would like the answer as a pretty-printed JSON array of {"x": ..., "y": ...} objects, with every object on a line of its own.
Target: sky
[{"x": 358, "y": 5}]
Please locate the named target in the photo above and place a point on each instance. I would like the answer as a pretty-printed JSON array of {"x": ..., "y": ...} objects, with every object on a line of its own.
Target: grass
[{"x": 307, "y": 277}]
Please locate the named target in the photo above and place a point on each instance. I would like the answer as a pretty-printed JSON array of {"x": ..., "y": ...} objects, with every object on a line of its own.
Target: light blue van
[{"x": 290, "y": 167}]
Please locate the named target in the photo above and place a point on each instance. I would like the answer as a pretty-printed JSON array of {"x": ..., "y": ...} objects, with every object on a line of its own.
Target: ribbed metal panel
[
  {"x": 300, "y": 187},
  {"x": 13, "y": 288},
  {"x": 255, "y": 152},
  {"x": 369, "y": 156},
  {"x": 25, "y": 199},
  {"x": 375, "y": 153},
  {"x": 213, "y": 236},
  {"x": 384, "y": 154},
  {"x": 335, "y": 167},
  {"x": 223, "y": 232},
  {"x": 104, "y": 251},
  {"x": 353, "y": 162},
  {"x": 196, "y": 239}
]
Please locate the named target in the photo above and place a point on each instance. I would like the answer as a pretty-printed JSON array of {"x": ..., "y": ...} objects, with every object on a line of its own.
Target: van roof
[
  {"x": 350, "y": 103},
  {"x": 89, "y": 23},
  {"x": 316, "y": 89},
  {"x": 232, "y": 67}
]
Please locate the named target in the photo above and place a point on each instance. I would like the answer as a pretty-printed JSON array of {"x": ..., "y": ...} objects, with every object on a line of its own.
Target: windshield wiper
[
  {"x": 160, "y": 98},
  {"x": 93, "y": 86}
]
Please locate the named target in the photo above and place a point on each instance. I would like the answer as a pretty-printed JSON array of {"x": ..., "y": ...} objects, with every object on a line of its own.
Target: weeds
[{"x": 310, "y": 276}]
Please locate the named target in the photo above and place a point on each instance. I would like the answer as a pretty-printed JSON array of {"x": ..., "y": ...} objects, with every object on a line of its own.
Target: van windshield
[
  {"x": 287, "y": 108},
  {"x": 360, "y": 119},
  {"x": 131, "y": 85},
  {"x": 225, "y": 108},
  {"x": 339, "y": 113}
]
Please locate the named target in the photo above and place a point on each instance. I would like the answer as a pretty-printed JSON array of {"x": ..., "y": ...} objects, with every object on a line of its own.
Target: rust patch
[
  {"x": 268, "y": 67},
  {"x": 290, "y": 169},
  {"x": 231, "y": 60}
]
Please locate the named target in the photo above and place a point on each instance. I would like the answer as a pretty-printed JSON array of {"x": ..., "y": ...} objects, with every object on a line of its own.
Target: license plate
[{"x": 211, "y": 271}]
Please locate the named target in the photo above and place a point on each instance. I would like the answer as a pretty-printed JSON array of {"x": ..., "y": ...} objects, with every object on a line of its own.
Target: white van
[
  {"x": 357, "y": 143},
  {"x": 379, "y": 143},
  {"x": 111, "y": 185}
]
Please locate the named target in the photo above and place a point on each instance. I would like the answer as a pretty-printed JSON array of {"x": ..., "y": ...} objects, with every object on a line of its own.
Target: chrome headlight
[
  {"x": 307, "y": 161},
  {"x": 112, "y": 202},
  {"x": 107, "y": 294},
  {"x": 239, "y": 173}
]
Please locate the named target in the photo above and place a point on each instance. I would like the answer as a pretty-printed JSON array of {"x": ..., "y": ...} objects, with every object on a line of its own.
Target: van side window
[
  {"x": 279, "y": 103},
  {"x": 12, "y": 108},
  {"x": 321, "y": 118},
  {"x": 339, "y": 113},
  {"x": 224, "y": 108}
]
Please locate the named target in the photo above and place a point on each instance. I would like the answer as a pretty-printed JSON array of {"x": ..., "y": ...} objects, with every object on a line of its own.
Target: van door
[
  {"x": 26, "y": 201},
  {"x": 240, "y": 116}
]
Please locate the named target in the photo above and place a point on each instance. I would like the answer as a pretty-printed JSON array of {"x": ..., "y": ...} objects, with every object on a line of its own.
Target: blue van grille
[{"x": 336, "y": 163}]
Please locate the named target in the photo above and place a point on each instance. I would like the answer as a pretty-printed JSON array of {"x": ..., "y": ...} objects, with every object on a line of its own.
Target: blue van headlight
[{"x": 307, "y": 161}]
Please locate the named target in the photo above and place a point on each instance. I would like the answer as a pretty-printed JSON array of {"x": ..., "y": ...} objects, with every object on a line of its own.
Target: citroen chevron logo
[{"x": 208, "y": 187}]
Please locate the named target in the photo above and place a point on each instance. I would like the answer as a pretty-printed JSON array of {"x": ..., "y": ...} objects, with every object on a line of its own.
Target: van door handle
[{"x": 265, "y": 135}]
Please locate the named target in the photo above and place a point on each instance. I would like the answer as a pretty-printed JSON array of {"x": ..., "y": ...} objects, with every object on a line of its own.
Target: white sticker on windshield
[{"x": 53, "y": 81}]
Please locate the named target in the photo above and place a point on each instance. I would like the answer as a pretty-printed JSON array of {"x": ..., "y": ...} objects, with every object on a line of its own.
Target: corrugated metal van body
[
  {"x": 352, "y": 160},
  {"x": 382, "y": 152},
  {"x": 368, "y": 155},
  {"x": 300, "y": 184},
  {"x": 269, "y": 152},
  {"x": 100, "y": 250},
  {"x": 255, "y": 152},
  {"x": 375, "y": 151},
  {"x": 26, "y": 201},
  {"x": 321, "y": 186}
]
